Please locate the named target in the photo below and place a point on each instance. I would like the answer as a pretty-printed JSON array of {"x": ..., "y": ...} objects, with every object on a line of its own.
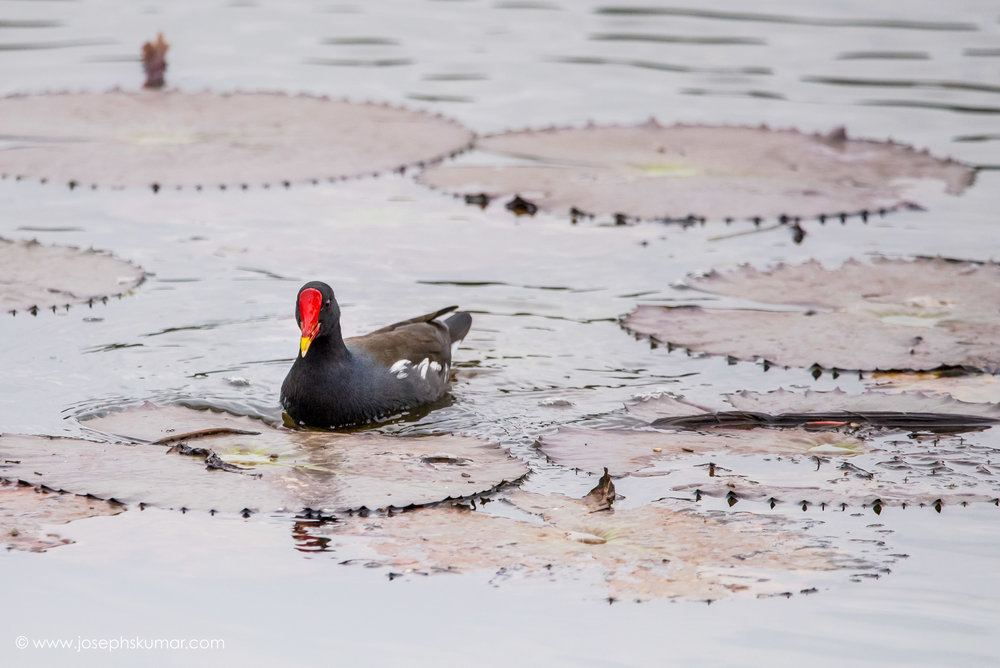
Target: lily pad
[
  {"x": 827, "y": 468},
  {"x": 692, "y": 172},
  {"x": 888, "y": 315},
  {"x": 626, "y": 451},
  {"x": 851, "y": 465},
  {"x": 640, "y": 553},
  {"x": 168, "y": 138},
  {"x": 237, "y": 463},
  {"x": 27, "y": 512},
  {"x": 34, "y": 276}
]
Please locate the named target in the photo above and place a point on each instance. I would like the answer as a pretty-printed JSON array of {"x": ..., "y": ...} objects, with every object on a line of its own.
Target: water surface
[{"x": 214, "y": 322}]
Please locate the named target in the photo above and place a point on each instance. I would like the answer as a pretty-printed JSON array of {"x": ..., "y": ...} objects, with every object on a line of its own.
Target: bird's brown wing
[
  {"x": 414, "y": 341},
  {"x": 413, "y": 321}
]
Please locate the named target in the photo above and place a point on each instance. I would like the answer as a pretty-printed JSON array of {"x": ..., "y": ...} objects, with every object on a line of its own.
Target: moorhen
[{"x": 337, "y": 382}]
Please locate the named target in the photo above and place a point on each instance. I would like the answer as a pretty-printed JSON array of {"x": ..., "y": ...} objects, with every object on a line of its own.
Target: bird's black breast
[{"x": 359, "y": 389}]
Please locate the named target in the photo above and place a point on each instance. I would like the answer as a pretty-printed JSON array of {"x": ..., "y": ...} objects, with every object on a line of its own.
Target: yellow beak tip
[{"x": 304, "y": 345}]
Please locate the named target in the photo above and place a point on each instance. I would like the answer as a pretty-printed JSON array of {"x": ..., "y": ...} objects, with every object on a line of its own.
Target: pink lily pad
[
  {"x": 169, "y": 139},
  {"x": 642, "y": 553},
  {"x": 847, "y": 463},
  {"x": 35, "y": 276},
  {"x": 888, "y": 315},
  {"x": 694, "y": 172},
  {"x": 27, "y": 512},
  {"x": 184, "y": 458}
]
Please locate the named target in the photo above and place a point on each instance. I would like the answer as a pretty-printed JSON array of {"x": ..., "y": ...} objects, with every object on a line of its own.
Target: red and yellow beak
[{"x": 310, "y": 301}]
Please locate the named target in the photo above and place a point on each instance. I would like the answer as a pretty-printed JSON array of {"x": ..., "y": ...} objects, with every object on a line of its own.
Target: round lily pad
[
  {"x": 26, "y": 513},
  {"x": 695, "y": 172},
  {"x": 168, "y": 138},
  {"x": 204, "y": 460},
  {"x": 888, "y": 315},
  {"x": 34, "y": 276},
  {"x": 640, "y": 553}
]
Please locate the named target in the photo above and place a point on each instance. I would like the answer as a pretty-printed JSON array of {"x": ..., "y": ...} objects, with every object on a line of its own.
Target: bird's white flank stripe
[{"x": 400, "y": 368}]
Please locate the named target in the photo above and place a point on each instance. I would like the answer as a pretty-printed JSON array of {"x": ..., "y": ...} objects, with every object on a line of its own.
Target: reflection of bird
[{"x": 336, "y": 382}]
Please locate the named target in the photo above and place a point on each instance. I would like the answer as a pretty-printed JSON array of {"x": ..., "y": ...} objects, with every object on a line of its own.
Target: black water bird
[{"x": 338, "y": 382}]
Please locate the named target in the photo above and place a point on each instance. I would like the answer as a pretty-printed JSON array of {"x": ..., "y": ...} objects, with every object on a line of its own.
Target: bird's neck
[{"x": 330, "y": 346}]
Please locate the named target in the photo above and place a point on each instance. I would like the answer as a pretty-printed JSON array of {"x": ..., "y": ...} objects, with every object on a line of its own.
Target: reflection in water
[{"x": 306, "y": 536}]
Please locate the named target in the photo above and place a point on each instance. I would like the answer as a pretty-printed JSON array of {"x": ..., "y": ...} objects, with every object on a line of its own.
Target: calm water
[{"x": 217, "y": 309}]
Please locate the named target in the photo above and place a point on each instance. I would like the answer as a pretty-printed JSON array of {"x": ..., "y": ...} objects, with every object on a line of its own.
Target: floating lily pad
[
  {"x": 685, "y": 172},
  {"x": 626, "y": 451},
  {"x": 169, "y": 138},
  {"x": 34, "y": 276},
  {"x": 889, "y": 315},
  {"x": 26, "y": 513},
  {"x": 639, "y": 553},
  {"x": 853, "y": 465},
  {"x": 205, "y": 460},
  {"x": 827, "y": 468}
]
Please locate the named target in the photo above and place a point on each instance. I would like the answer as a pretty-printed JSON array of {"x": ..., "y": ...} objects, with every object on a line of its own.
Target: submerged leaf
[
  {"x": 892, "y": 314},
  {"x": 274, "y": 468},
  {"x": 25, "y": 512},
  {"x": 33, "y": 276},
  {"x": 160, "y": 139},
  {"x": 690, "y": 172}
]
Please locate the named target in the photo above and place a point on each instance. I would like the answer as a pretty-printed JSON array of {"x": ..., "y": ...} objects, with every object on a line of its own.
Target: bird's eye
[{"x": 327, "y": 303}]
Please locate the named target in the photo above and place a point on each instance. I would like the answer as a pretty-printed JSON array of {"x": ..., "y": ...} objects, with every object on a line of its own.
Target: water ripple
[
  {"x": 677, "y": 39},
  {"x": 920, "y": 104},
  {"x": 838, "y": 22},
  {"x": 903, "y": 83}
]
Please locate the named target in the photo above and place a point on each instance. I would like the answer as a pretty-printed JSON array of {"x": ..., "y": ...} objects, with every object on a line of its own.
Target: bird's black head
[{"x": 316, "y": 312}]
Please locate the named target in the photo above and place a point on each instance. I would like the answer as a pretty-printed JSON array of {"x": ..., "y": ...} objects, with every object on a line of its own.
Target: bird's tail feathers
[{"x": 458, "y": 326}]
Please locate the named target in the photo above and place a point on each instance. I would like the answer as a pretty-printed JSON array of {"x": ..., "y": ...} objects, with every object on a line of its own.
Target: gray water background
[{"x": 213, "y": 324}]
